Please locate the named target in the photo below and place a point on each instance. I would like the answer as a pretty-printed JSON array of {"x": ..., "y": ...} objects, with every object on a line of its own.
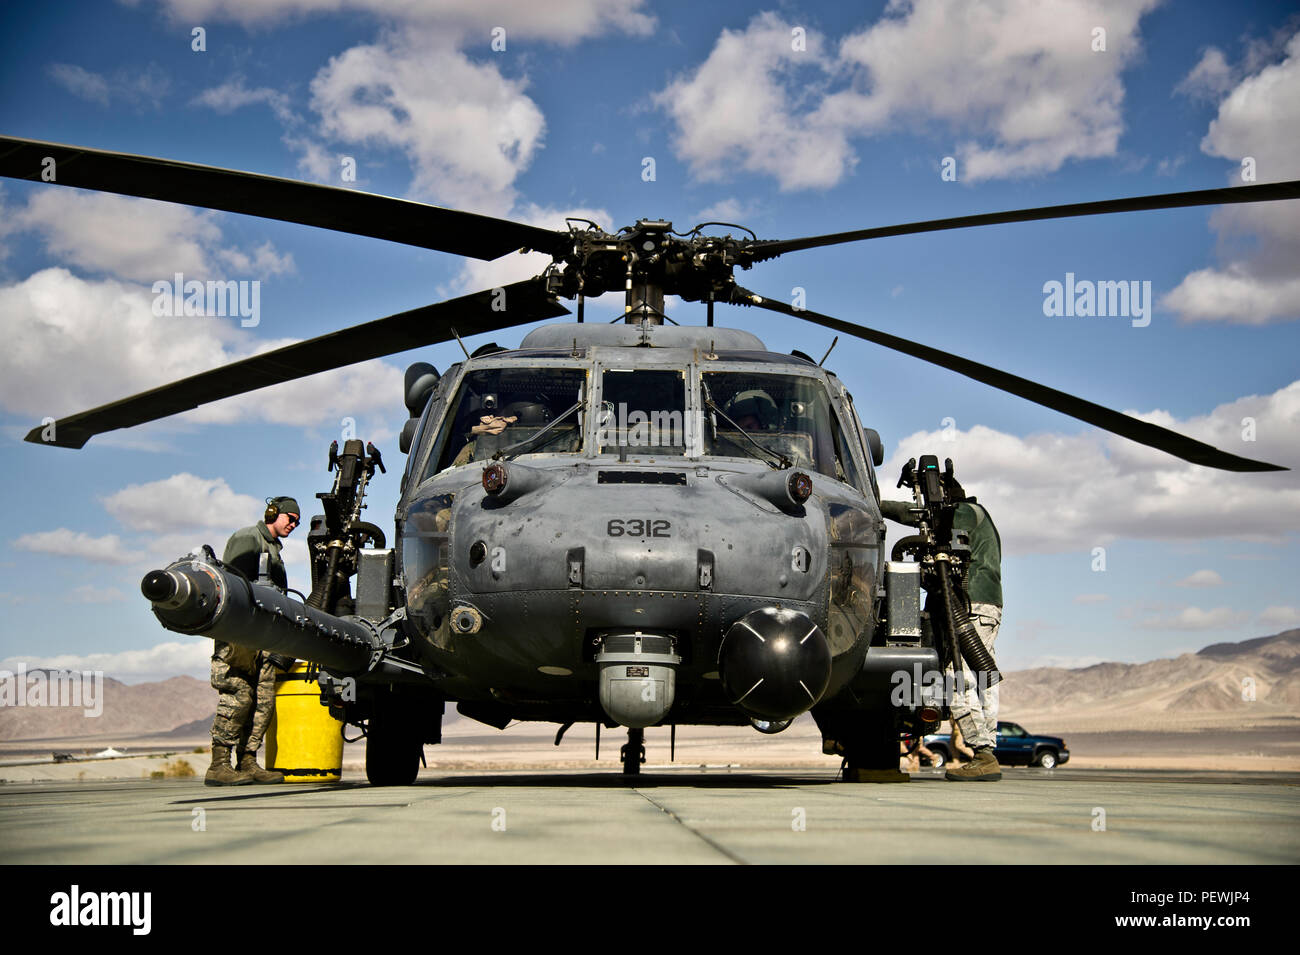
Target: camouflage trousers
[
  {"x": 247, "y": 697},
  {"x": 978, "y": 718}
]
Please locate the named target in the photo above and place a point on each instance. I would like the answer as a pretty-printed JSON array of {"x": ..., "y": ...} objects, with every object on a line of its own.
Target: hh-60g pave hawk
[{"x": 637, "y": 524}]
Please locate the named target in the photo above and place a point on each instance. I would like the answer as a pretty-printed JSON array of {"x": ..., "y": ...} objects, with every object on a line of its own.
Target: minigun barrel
[{"x": 196, "y": 596}]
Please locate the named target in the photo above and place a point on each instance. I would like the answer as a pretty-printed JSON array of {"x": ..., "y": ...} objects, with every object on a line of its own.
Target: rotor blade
[
  {"x": 765, "y": 249},
  {"x": 512, "y": 305},
  {"x": 1152, "y": 435},
  {"x": 328, "y": 207}
]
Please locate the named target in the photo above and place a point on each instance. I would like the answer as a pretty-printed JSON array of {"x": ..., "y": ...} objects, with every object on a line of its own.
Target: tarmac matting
[{"x": 665, "y": 816}]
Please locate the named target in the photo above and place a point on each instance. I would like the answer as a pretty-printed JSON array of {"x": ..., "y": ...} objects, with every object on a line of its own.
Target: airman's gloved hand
[{"x": 492, "y": 424}]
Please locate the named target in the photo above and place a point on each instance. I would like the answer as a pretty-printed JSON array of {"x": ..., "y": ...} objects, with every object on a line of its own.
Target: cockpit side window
[
  {"x": 862, "y": 443},
  {"x": 420, "y": 440},
  {"x": 845, "y": 464},
  {"x": 498, "y": 408}
]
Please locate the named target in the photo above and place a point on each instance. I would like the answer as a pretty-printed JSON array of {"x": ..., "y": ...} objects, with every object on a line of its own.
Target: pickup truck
[{"x": 1015, "y": 747}]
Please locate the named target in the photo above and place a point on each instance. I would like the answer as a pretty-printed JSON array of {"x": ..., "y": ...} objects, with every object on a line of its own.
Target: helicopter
[{"x": 631, "y": 524}]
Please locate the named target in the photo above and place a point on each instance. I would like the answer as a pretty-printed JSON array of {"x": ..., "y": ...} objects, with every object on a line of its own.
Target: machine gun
[
  {"x": 200, "y": 595},
  {"x": 944, "y": 558},
  {"x": 337, "y": 537}
]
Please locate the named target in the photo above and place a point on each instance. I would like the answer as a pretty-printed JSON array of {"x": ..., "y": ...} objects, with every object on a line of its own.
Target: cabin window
[{"x": 511, "y": 410}]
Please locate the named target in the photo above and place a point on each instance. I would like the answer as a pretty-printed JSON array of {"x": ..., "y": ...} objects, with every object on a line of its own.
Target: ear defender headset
[{"x": 272, "y": 510}]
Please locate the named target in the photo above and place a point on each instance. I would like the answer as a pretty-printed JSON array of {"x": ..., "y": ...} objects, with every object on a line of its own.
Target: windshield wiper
[
  {"x": 781, "y": 463},
  {"x": 518, "y": 447}
]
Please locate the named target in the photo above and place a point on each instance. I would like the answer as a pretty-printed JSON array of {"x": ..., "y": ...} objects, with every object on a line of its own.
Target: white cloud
[
  {"x": 1210, "y": 78},
  {"x": 558, "y": 21},
  {"x": 129, "y": 238},
  {"x": 750, "y": 105},
  {"x": 1202, "y": 578},
  {"x": 1115, "y": 489},
  {"x": 235, "y": 94},
  {"x": 81, "y": 82},
  {"x": 316, "y": 161},
  {"x": 158, "y": 662},
  {"x": 758, "y": 103},
  {"x": 728, "y": 210},
  {"x": 1194, "y": 618},
  {"x": 140, "y": 238},
  {"x": 106, "y": 329},
  {"x": 1259, "y": 243},
  {"x": 965, "y": 64},
  {"x": 467, "y": 130},
  {"x": 141, "y": 86},
  {"x": 181, "y": 501},
  {"x": 1284, "y": 617},
  {"x": 1169, "y": 166},
  {"x": 430, "y": 86},
  {"x": 1261, "y": 118},
  {"x": 68, "y": 543},
  {"x": 1233, "y": 293},
  {"x": 261, "y": 260}
]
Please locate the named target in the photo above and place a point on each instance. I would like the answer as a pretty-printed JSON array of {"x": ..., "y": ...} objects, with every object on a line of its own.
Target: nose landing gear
[{"x": 633, "y": 752}]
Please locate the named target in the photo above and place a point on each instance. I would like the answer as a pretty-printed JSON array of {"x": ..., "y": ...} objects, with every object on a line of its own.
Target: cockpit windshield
[
  {"x": 788, "y": 415},
  {"x": 499, "y": 408},
  {"x": 786, "y": 420},
  {"x": 642, "y": 410}
]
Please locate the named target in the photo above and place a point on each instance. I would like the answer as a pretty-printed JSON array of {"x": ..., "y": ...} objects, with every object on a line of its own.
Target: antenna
[
  {"x": 834, "y": 342},
  {"x": 466, "y": 350}
]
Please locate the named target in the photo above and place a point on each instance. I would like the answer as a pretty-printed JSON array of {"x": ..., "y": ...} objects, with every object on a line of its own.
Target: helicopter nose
[{"x": 774, "y": 663}]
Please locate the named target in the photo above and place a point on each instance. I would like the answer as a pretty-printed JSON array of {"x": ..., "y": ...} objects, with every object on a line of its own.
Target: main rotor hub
[{"x": 647, "y": 261}]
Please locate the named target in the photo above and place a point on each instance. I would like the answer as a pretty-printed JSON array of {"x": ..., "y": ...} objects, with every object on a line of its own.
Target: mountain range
[{"x": 1222, "y": 684}]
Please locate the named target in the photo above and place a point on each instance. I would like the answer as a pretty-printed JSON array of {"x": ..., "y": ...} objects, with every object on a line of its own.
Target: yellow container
[{"x": 304, "y": 742}]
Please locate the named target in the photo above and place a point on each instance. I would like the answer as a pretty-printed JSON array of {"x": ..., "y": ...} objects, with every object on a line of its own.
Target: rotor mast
[{"x": 644, "y": 301}]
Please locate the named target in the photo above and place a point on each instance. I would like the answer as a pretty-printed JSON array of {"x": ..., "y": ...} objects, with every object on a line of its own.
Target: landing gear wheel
[
  {"x": 633, "y": 753},
  {"x": 392, "y": 752},
  {"x": 871, "y": 751}
]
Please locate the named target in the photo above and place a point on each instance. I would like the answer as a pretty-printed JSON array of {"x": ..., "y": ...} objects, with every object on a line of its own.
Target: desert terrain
[{"x": 1229, "y": 707}]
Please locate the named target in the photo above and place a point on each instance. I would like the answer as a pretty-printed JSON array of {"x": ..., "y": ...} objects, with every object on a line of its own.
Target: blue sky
[{"x": 792, "y": 119}]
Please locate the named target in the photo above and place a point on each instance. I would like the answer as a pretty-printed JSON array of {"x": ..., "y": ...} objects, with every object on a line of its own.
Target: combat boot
[
  {"x": 248, "y": 764},
  {"x": 983, "y": 768},
  {"x": 220, "y": 772}
]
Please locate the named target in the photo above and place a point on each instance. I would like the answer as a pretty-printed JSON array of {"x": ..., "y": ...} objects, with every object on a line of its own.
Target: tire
[
  {"x": 939, "y": 759},
  {"x": 870, "y": 744},
  {"x": 1047, "y": 759},
  {"x": 392, "y": 754}
]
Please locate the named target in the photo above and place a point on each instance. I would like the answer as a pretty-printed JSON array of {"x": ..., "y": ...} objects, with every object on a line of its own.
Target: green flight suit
[{"x": 245, "y": 678}]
